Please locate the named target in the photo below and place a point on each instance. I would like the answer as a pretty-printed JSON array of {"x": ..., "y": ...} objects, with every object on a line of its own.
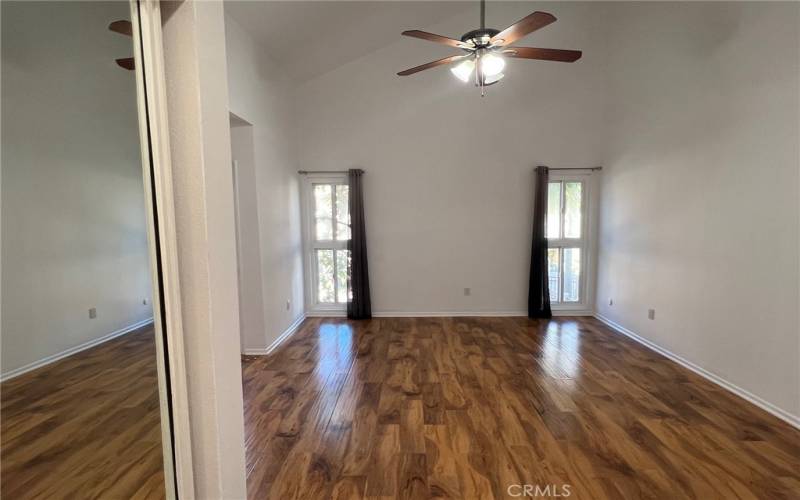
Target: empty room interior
[{"x": 400, "y": 249}]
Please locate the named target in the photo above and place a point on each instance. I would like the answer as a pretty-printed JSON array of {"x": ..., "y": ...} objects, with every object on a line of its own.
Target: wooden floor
[
  {"x": 86, "y": 426},
  {"x": 413, "y": 408},
  {"x": 466, "y": 408}
]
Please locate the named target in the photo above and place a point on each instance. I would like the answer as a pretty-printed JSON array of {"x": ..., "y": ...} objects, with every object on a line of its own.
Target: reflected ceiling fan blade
[
  {"x": 127, "y": 63},
  {"x": 432, "y": 37},
  {"x": 543, "y": 54},
  {"x": 432, "y": 64},
  {"x": 524, "y": 26},
  {"x": 122, "y": 27}
]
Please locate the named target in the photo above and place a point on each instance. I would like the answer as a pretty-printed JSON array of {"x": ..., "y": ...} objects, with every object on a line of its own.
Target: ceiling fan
[
  {"x": 485, "y": 48},
  {"x": 123, "y": 27}
]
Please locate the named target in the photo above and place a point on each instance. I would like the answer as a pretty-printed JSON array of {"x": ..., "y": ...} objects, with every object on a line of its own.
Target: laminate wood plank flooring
[
  {"x": 86, "y": 426},
  {"x": 465, "y": 408},
  {"x": 413, "y": 408}
]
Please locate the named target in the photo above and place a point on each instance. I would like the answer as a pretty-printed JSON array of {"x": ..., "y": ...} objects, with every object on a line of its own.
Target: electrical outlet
[
  {"x": 651, "y": 314},
  {"x": 611, "y": 302},
  {"x": 288, "y": 305},
  {"x": 467, "y": 292},
  {"x": 92, "y": 313}
]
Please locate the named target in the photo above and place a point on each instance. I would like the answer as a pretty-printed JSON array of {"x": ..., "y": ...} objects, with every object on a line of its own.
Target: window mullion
[
  {"x": 335, "y": 279},
  {"x": 554, "y": 243},
  {"x": 334, "y": 215},
  {"x": 561, "y": 275},
  {"x": 563, "y": 209},
  {"x": 315, "y": 266}
]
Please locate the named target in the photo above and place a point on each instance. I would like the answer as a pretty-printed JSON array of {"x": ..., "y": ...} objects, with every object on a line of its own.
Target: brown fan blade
[
  {"x": 524, "y": 26},
  {"x": 543, "y": 54},
  {"x": 432, "y": 37},
  {"x": 126, "y": 63},
  {"x": 122, "y": 27},
  {"x": 433, "y": 64}
]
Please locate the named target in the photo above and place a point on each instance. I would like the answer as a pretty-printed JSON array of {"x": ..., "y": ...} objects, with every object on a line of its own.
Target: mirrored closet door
[{"x": 85, "y": 410}]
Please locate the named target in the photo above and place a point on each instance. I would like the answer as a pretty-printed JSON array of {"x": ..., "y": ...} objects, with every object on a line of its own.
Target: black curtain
[
  {"x": 538, "y": 289},
  {"x": 358, "y": 305}
]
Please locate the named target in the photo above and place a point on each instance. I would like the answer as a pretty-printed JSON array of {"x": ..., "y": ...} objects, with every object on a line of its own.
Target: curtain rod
[
  {"x": 576, "y": 168},
  {"x": 306, "y": 172}
]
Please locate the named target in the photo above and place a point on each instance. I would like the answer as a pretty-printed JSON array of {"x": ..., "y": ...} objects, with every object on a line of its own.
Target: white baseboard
[
  {"x": 73, "y": 350},
  {"x": 445, "y": 314},
  {"x": 567, "y": 312},
  {"x": 281, "y": 339},
  {"x": 782, "y": 414},
  {"x": 326, "y": 314}
]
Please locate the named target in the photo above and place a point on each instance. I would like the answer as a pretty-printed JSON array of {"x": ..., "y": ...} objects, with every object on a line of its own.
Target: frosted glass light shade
[
  {"x": 463, "y": 70},
  {"x": 492, "y": 65},
  {"x": 488, "y": 80}
]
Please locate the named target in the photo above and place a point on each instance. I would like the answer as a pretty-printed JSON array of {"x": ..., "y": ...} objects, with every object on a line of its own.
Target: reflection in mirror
[{"x": 81, "y": 411}]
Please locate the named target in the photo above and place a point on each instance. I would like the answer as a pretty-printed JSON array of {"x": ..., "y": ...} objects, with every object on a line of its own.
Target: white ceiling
[{"x": 309, "y": 38}]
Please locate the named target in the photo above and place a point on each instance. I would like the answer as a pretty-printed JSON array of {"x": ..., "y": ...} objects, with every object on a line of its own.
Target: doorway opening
[{"x": 248, "y": 244}]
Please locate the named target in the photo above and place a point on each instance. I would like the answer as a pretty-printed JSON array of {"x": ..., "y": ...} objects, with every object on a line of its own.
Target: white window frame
[
  {"x": 310, "y": 244},
  {"x": 586, "y": 243}
]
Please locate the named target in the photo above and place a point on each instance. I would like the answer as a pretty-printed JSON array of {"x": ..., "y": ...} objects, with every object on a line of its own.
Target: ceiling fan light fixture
[
  {"x": 463, "y": 71},
  {"x": 488, "y": 80},
  {"x": 488, "y": 48},
  {"x": 492, "y": 65}
]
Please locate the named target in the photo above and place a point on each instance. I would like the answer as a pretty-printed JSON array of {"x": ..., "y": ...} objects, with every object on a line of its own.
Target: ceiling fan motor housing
[
  {"x": 480, "y": 41},
  {"x": 479, "y": 38}
]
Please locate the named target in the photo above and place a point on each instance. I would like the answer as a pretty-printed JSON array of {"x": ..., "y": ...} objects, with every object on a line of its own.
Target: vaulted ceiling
[{"x": 309, "y": 38}]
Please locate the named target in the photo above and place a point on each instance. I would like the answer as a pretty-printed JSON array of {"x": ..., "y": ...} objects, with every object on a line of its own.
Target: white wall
[
  {"x": 448, "y": 188},
  {"x": 197, "y": 95},
  {"x": 261, "y": 96},
  {"x": 700, "y": 210},
  {"x": 692, "y": 109},
  {"x": 73, "y": 227},
  {"x": 248, "y": 244}
]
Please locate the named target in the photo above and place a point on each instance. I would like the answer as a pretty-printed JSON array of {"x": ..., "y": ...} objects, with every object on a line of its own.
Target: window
[
  {"x": 328, "y": 231},
  {"x": 566, "y": 226}
]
